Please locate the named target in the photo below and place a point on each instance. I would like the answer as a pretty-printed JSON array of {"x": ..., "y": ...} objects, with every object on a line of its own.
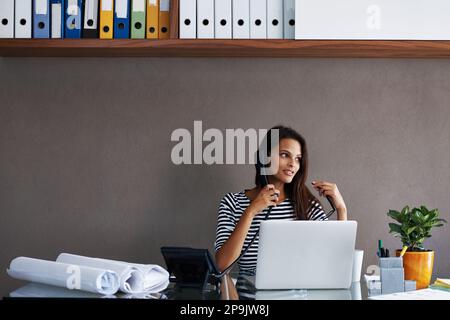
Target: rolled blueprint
[
  {"x": 65, "y": 275},
  {"x": 156, "y": 278},
  {"x": 131, "y": 280},
  {"x": 133, "y": 277}
]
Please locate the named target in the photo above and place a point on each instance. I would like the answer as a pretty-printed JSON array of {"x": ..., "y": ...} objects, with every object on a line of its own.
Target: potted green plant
[{"x": 413, "y": 227}]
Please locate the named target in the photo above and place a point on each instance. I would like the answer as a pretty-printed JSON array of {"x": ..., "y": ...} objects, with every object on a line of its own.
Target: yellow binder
[
  {"x": 106, "y": 19},
  {"x": 164, "y": 19},
  {"x": 152, "y": 19}
]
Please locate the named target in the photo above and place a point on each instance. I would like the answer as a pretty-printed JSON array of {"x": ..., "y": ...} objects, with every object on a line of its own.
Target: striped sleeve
[
  {"x": 316, "y": 212},
  {"x": 226, "y": 221}
]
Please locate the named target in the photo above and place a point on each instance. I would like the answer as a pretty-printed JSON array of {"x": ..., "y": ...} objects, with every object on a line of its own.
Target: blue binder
[
  {"x": 73, "y": 20},
  {"x": 41, "y": 19},
  {"x": 122, "y": 19},
  {"x": 63, "y": 19}
]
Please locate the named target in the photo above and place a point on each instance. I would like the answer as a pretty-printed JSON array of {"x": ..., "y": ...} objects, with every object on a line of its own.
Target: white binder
[
  {"x": 223, "y": 19},
  {"x": 373, "y": 20},
  {"x": 56, "y": 11},
  {"x": 205, "y": 19},
  {"x": 23, "y": 19},
  {"x": 258, "y": 19},
  {"x": 91, "y": 14},
  {"x": 241, "y": 16},
  {"x": 275, "y": 19},
  {"x": 289, "y": 19},
  {"x": 188, "y": 19},
  {"x": 6, "y": 18}
]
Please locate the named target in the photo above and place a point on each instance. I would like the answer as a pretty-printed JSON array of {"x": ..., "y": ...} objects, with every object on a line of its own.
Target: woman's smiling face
[{"x": 288, "y": 159}]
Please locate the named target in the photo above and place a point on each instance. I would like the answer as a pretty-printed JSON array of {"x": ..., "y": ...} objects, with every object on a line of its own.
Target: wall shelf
[
  {"x": 224, "y": 48},
  {"x": 175, "y": 47}
]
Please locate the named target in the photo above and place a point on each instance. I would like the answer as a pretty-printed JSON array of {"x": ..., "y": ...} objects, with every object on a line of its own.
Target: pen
[
  {"x": 403, "y": 251},
  {"x": 380, "y": 245}
]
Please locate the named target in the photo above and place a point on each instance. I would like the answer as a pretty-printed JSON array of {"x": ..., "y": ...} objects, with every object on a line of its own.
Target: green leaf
[
  {"x": 394, "y": 215},
  {"x": 434, "y": 214},
  {"x": 410, "y": 230},
  {"x": 395, "y": 228},
  {"x": 404, "y": 214},
  {"x": 417, "y": 217}
]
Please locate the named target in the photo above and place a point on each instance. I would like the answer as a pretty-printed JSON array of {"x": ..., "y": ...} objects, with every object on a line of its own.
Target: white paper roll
[
  {"x": 64, "y": 275},
  {"x": 156, "y": 278},
  {"x": 133, "y": 277},
  {"x": 131, "y": 280}
]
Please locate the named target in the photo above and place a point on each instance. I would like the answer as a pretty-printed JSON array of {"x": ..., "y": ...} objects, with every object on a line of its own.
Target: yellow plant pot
[{"x": 418, "y": 266}]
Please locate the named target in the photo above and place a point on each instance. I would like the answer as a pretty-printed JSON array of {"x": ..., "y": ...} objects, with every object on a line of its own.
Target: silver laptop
[
  {"x": 305, "y": 254},
  {"x": 372, "y": 19}
]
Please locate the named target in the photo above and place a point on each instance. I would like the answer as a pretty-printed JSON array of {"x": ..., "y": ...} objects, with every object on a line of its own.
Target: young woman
[{"x": 240, "y": 214}]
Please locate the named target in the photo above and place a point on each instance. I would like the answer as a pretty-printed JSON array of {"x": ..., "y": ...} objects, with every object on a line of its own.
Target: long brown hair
[{"x": 297, "y": 191}]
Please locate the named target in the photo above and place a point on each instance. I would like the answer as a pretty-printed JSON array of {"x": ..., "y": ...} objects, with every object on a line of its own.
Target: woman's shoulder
[
  {"x": 234, "y": 199},
  {"x": 314, "y": 203}
]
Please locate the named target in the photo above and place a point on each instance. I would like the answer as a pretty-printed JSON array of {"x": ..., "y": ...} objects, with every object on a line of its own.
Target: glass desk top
[{"x": 231, "y": 287}]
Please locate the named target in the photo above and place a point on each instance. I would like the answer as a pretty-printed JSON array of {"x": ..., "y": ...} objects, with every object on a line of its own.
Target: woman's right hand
[{"x": 267, "y": 196}]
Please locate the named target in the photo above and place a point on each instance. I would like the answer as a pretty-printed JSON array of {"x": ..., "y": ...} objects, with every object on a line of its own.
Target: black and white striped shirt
[{"x": 231, "y": 208}]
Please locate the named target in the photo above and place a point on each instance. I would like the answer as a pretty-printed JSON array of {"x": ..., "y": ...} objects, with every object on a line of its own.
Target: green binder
[{"x": 138, "y": 20}]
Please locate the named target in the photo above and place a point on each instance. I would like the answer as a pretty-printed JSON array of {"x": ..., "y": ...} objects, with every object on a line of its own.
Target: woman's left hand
[{"x": 330, "y": 189}]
